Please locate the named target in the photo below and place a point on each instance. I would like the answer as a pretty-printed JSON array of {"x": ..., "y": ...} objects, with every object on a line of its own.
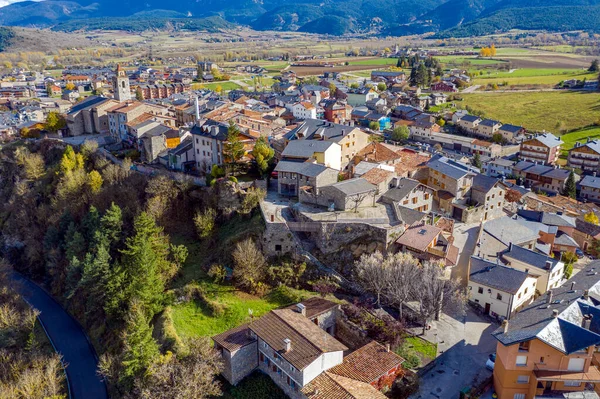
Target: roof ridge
[
  {"x": 296, "y": 330},
  {"x": 329, "y": 375}
]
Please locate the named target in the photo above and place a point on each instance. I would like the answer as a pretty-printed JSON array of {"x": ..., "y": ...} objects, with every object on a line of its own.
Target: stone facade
[
  {"x": 239, "y": 364},
  {"x": 493, "y": 202}
]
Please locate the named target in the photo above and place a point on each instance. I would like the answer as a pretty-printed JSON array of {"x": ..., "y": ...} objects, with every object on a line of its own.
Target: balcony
[
  {"x": 590, "y": 376},
  {"x": 587, "y": 394}
]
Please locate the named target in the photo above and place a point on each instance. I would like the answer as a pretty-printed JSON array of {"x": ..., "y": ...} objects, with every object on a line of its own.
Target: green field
[
  {"x": 529, "y": 72},
  {"x": 452, "y": 60},
  {"x": 579, "y": 135},
  {"x": 375, "y": 61},
  {"x": 545, "y": 80},
  {"x": 538, "y": 110},
  {"x": 226, "y": 86},
  {"x": 195, "y": 319}
]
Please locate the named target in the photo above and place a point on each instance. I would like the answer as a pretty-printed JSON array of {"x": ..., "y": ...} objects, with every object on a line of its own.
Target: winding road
[{"x": 69, "y": 340}]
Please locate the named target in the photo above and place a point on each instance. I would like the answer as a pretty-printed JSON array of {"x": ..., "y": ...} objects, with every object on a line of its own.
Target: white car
[{"x": 491, "y": 362}]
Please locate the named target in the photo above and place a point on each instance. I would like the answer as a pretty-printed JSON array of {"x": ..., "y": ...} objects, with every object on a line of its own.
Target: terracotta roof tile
[
  {"x": 419, "y": 236},
  {"x": 368, "y": 363},
  {"x": 377, "y": 152},
  {"x": 332, "y": 386},
  {"x": 315, "y": 306},
  {"x": 376, "y": 175}
]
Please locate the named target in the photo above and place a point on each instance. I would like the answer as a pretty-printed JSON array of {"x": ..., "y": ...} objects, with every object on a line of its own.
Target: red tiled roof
[
  {"x": 419, "y": 236},
  {"x": 316, "y": 306},
  {"x": 332, "y": 386},
  {"x": 377, "y": 152},
  {"x": 376, "y": 175},
  {"x": 368, "y": 363}
]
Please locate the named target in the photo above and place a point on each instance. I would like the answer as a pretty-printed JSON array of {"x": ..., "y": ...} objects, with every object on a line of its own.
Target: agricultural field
[
  {"x": 375, "y": 62},
  {"x": 549, "y": 111},
  {"x": 546, "y": 80},
  {"x": 225, "y": 86}
]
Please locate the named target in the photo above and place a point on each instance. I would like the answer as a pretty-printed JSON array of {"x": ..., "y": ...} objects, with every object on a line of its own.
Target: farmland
[{"x": 538, "y": 110}]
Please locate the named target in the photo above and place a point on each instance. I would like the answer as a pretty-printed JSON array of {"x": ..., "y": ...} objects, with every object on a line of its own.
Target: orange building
[{"x": 549, "y": 348}]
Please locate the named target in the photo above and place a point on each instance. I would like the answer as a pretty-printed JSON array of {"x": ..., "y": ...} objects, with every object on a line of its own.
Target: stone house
[
  {"x": 498, "y": 167},
  {"x": 489, "y": 193},
  {"x": 585, "y": 156},
  {"x": 294, "y": 176},
  {"x": 123, "y": 113},
  {"x": 346, "y": 195},
  {"x": 410, "y": 194},
  {"x": 293, "y": 346},
  {"x": 499, "y": 290},
  {"x": 585, "y": 234},
  {"x": 451, "y": 176},
  {"x": 543, "y": 148},
  {"x": 380, "y": 178}
]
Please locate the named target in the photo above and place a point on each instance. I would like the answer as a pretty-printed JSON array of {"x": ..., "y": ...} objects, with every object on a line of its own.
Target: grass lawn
[
  {"x": 579, "y": 135},
  {"x": 538, "y": 110},
  {"x": 422, "y": 346},
  {"x": 375, "y": 61},
  {"x": 194, "y": 319},
  {"x": 544, "y": 79},
  {"x": 212, "y": 86},
  {"x": 417, "y": 352}
]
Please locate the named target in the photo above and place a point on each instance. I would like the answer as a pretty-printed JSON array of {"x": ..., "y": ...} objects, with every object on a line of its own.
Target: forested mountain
[{"x": 337, "y": 17}]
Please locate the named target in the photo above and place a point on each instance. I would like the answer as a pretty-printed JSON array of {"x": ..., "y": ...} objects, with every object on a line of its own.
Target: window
[
  {"x": 499, "y": 296},
  {"x": 261, "y": 357},
  {"x": 519, "y": 396},
  {"x": 521, "y": 360},
  {"x": 572, "y": 383},
  {"x": 542, "y": 360},
  {"x": 480, "y": 290},
  {"x": 405, "y": 202},
  {"x": 576, "y": 364},
  {"x": 524, "y": 346},
  {"x": 414, "y": 200},
  {"x": 523, "y": 379},
  {"x": 427, "y": 196}
]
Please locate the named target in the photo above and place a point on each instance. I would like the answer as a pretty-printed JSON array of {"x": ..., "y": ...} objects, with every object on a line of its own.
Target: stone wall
[
  {"x": 350, "y": 334},
  {"x": 239, "y": 364},
  {"x": 277, "y": 240}
]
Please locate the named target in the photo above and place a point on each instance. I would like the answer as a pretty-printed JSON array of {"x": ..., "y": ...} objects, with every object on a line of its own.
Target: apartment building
[
  {"x": 543, "y": 149},
  {"x": 549, "y": 348},
  {"x": 590, "y": 188},
  {"x": 585, "y": 156},
  {"x": 548, "y": 271}
]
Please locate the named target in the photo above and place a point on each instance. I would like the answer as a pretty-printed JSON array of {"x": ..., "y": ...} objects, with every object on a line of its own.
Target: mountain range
[{"x": 337, "y": 17}]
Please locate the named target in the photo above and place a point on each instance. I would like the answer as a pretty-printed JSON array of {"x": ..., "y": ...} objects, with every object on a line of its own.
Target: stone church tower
[{"x": 121, "y": 85}]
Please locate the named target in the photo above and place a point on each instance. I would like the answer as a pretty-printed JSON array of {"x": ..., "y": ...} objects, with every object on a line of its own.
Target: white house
[
  {"x": 304, "y": 110},
  {"x": 548, "y": 271},
  {"x": 501, "y": 291}
]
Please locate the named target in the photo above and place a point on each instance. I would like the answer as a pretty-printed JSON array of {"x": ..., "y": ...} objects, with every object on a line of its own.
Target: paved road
[
  {"x": 69, "y": 340},
  {"x": 471, "y": 89},
  {"x": 465, "y": 343}
]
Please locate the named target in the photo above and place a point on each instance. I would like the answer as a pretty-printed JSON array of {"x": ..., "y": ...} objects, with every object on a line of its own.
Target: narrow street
[{"x": 69, "y": 340}]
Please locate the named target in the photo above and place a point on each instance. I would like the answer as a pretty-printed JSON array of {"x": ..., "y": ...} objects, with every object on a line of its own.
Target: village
[{"x": 353, "y": 167}]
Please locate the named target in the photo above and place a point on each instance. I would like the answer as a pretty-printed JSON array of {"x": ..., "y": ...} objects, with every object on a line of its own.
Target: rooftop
[
  {"x": 368, "y": 363},
  {"x": 533, "y": 258},
  {"x": 496, "y": 276}
]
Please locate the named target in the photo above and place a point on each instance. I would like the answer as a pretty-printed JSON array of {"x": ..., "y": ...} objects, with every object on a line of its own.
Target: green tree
[
  {"x": 594, "y": 67},
  {"x": 233, "y": 149},
  {"x": 381, "y": 86},
  {"x": 249, "y": 265},
  {"x": 374, "y": 126},
  {"x": 55, "y": 122},
  {"x": 205, "y": 222},
  {"x": 498, "y": 138},
  {"x": 262, "y": 153},
  {"x": 441, "y": 122},
  {"x": 139, "y": 348},
  {"x": 570, "y": 189},
  {"x": 139, "y": 95},
  {"x": 400, "y": 133},
  {"x": 477, "y": 160}
]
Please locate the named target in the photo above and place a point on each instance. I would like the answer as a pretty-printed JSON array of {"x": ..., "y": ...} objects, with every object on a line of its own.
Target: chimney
[
  {"x": 586, "y": 295},
  {"x": 549, "y": 296},
  {"x": 548, "y": 264},
  {"x": 555, "y": 314},
  {"x": 197, "y": 107},
  {"x": 587, "y": 321},
  {"x": 288, "y": 345},
  {"x": 594, "y": 174},
  {"x": 387, "y": 347},
  {"x": 301, "y": 309}
]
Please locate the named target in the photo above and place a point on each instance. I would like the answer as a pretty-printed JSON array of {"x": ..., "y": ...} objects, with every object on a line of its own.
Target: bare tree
[
  {"x": 435, "y": 293},
  {"x": 357, "y": 199},
  {"x": 372, "y": 274},
  {"x": 403, "y": 271}
]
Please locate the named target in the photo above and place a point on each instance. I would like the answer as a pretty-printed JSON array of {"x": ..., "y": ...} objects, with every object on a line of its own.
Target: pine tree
[
  {"x": 477, "y": 160},
  {"x": 233, "y": 149},
  {"x": 594, "y": 67},
  {"x": 570, "y": 186},
  {"x": 413, "y": 76},
  {"x": 140, "y": 349}
]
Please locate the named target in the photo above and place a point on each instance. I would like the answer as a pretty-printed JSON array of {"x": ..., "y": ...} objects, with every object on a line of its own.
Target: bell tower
[{"x": 121, "y": 85}]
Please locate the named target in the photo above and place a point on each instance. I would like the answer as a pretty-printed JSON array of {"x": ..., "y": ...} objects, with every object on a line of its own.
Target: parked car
[
  {"x": 579, "y": 253},
  {"x": 491, "y": 362}
]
